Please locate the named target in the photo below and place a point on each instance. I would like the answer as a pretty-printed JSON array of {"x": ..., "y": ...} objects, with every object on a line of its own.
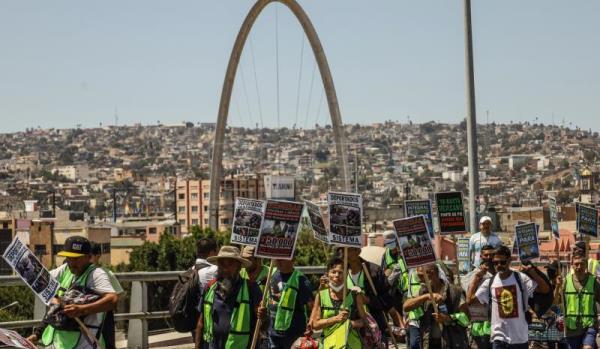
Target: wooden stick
[
  {"x": 264, "y": 301},
  {"x": 87, "y": 333},
  {"x": 345, "y": 275},
  {"x": 385, "y": 314}
]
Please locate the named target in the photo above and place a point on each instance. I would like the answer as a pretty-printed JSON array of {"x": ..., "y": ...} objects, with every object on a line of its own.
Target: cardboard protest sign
[
  {"x": 345, "y": 219},
  {"x": 464, "y": 264},
  {"x": 279, "y": 230},
  {"x": 587, "y": 220},
  {"x": 553, "y": 217},
  {"x": 315, "y": 218},
  {"x": 527, "y": 241},
  {"x": 414, "y": 241},
  {"x": 14, "y": 340},
  {"x": 451, "y": 213},
  {"x": 247, "y": 219},
  {"x": 420, "y": 207},
  {"x": 29, "y": 268}
]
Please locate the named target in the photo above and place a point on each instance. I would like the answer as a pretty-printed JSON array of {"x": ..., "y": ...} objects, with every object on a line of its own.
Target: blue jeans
[
  {"x": 414, "y": 337},
  {"x": 504, "y": 345},
  {"x": 587, "y": 338},
  {"x": 483, "y": 342}
]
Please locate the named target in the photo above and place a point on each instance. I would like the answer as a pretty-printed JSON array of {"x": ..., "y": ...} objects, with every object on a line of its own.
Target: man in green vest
[
  {"x": 290, "y": 299},
  {"x": 229, "y": 306},
  {"x": 79, "y": 271},
  {"x": 396, "y": 273},
  {"x": 582, "y": 295},
  {"x": 480, "y": 324}
]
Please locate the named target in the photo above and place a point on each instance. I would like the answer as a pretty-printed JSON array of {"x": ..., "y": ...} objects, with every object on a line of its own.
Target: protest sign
[
  {"x": 248, "y": 217},
  {"x": 14, "y": 340},
  {"x": 345, "y": 219},
  {"x": 553, "y": 217},
  {"x": 527, "y": 241},
  {"x": 464, "y": 264},
  {"x": 420, "y": 207},
  {"x": 315, "y": 218},
  {"x": 29, "y": 268},
  {"x": 587, "y": 220},
  {"x": 451, "y": 214},
  {"x": 279, "y": 229},
  {"x": 414, "y": 241}
]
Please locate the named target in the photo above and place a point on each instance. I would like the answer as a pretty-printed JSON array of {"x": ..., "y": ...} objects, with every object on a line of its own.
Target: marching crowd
[{"x": 237, "y": 304}]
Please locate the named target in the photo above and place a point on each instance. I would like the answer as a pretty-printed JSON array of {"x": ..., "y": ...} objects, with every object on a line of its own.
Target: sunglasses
[{"x": 505, "y": 262}]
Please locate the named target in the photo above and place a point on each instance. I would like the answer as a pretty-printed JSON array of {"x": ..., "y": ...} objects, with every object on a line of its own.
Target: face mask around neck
[{"x": 336, "y": 288}]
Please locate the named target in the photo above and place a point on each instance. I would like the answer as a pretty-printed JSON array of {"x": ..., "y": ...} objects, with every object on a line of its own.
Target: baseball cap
[
  {"x": 76, "y": 246},
  {"x": 389, "y": 239},
  {"x": 485, "y": 219}
]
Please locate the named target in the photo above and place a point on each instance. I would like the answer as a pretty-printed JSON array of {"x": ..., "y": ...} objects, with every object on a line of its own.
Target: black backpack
[{"x": 183, "y": 303}]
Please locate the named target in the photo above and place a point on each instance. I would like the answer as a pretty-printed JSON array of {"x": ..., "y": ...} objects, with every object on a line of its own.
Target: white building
[{"x": 73, "y": 172}]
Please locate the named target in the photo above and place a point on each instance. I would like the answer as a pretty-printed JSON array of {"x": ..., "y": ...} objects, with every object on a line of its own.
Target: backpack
[{"x": 183, "y": 303}]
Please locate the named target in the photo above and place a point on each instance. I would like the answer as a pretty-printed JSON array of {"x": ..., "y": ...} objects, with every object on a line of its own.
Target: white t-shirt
[
  {"x": 508, "y": 320},
  {"x": 206, "y": 272},
  {"x": 477, "y": 241},
  {"x": 99, "y": 282}
]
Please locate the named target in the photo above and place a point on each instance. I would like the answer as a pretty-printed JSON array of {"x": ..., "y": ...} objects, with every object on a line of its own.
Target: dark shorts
[
  {"x": 587, "y": 338},
  {"x": 504, "y": 345}
]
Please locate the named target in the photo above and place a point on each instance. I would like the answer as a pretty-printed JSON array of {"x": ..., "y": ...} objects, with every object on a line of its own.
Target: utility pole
[{"x": 471, "y": 120}]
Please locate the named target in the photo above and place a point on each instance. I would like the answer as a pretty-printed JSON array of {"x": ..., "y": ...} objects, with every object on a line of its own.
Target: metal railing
[{"x": 138, "y": 315}]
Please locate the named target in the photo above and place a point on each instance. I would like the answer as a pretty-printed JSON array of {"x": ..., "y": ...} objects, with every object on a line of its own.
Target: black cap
[{"x": 76, "y": 246}]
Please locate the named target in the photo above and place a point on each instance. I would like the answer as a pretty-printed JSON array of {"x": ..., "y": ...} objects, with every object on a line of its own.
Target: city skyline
[{"x": 72, "y": 63}]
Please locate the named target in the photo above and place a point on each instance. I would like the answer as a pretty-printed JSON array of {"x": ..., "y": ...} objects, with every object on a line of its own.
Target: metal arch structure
[{"x": 216, "y": 172}]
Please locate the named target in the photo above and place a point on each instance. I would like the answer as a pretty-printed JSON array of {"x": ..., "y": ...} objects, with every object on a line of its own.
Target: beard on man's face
[{"x": 225, "y": 283}]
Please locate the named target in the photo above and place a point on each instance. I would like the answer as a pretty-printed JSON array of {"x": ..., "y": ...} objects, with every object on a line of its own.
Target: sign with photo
[
  {"x": 451, "y": 213},
  {"x": 345, "y": 219},
  {"x": 279, "y": 230},
  {"x": 247, "y": 219},
  {"x": 315, "y": 219},
  {"x": 414, "y": 241},
  {"x": 464, "y": 264},
  {"x": 587, "y": 220},
  {"x": 553, "y": 217},
  {"x": 420, "y": 207},
  {"x": 527, "y": 241},
  {"x": 31, "y": 270}
]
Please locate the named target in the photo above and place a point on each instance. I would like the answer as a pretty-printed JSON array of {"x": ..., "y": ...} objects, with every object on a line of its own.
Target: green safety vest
[
  {"x": 580, "y": 306},
  {"x": 479, "y": 329},
  {"x": 361, "y": 281},
  {"x": 415, "y": 288},
  {"x": 592, "y": 266},
  {"x": 287, "y": 302},
  {"x": 239, "y": 332},
  {"x": 62, "y": 339},
  {"x": 340, "y": 335},
  {"x": 390, "y": 262}
]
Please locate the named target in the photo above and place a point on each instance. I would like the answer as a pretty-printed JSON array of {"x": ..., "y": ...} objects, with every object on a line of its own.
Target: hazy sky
[{"x": 64, "y": 63}]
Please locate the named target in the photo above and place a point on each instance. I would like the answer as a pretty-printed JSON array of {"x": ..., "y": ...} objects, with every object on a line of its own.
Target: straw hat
[{"x": 230, "y": 252}]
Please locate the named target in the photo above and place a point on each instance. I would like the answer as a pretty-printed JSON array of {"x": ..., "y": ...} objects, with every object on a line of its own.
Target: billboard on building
[{"x": 279, "y": 187}]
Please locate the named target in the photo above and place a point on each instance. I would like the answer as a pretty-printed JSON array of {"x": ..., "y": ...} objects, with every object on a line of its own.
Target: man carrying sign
[
  {"x": 290, "y": 299},
  {"x": 78, "y": 273}
]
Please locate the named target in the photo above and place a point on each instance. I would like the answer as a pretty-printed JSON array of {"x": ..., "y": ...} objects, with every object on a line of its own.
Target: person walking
[
  {"x": 108, "y": 328},
  {"x": 445, "y": 328},
  {"x": 507, "y": 294},
  {"x": 78, "y": 276},
  {"x": 485, "y": 236},
  {"x": 230, "y": 305},
  {"x": 290, "y": 298},
  {"x": 481, "y": 328},
  {"x": 339, "y": 321},
  {"x": 581, "y": 297},
  {"x": 257, "y": 271}
]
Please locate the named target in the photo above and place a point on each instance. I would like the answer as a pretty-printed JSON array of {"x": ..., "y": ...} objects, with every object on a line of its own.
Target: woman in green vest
[{"x": 338, "y": 321}]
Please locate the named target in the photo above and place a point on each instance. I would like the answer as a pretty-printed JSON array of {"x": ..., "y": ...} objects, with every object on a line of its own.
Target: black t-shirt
[
  {"x": 299, "y": 319},
  {"x": 222, "y": 311}
]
